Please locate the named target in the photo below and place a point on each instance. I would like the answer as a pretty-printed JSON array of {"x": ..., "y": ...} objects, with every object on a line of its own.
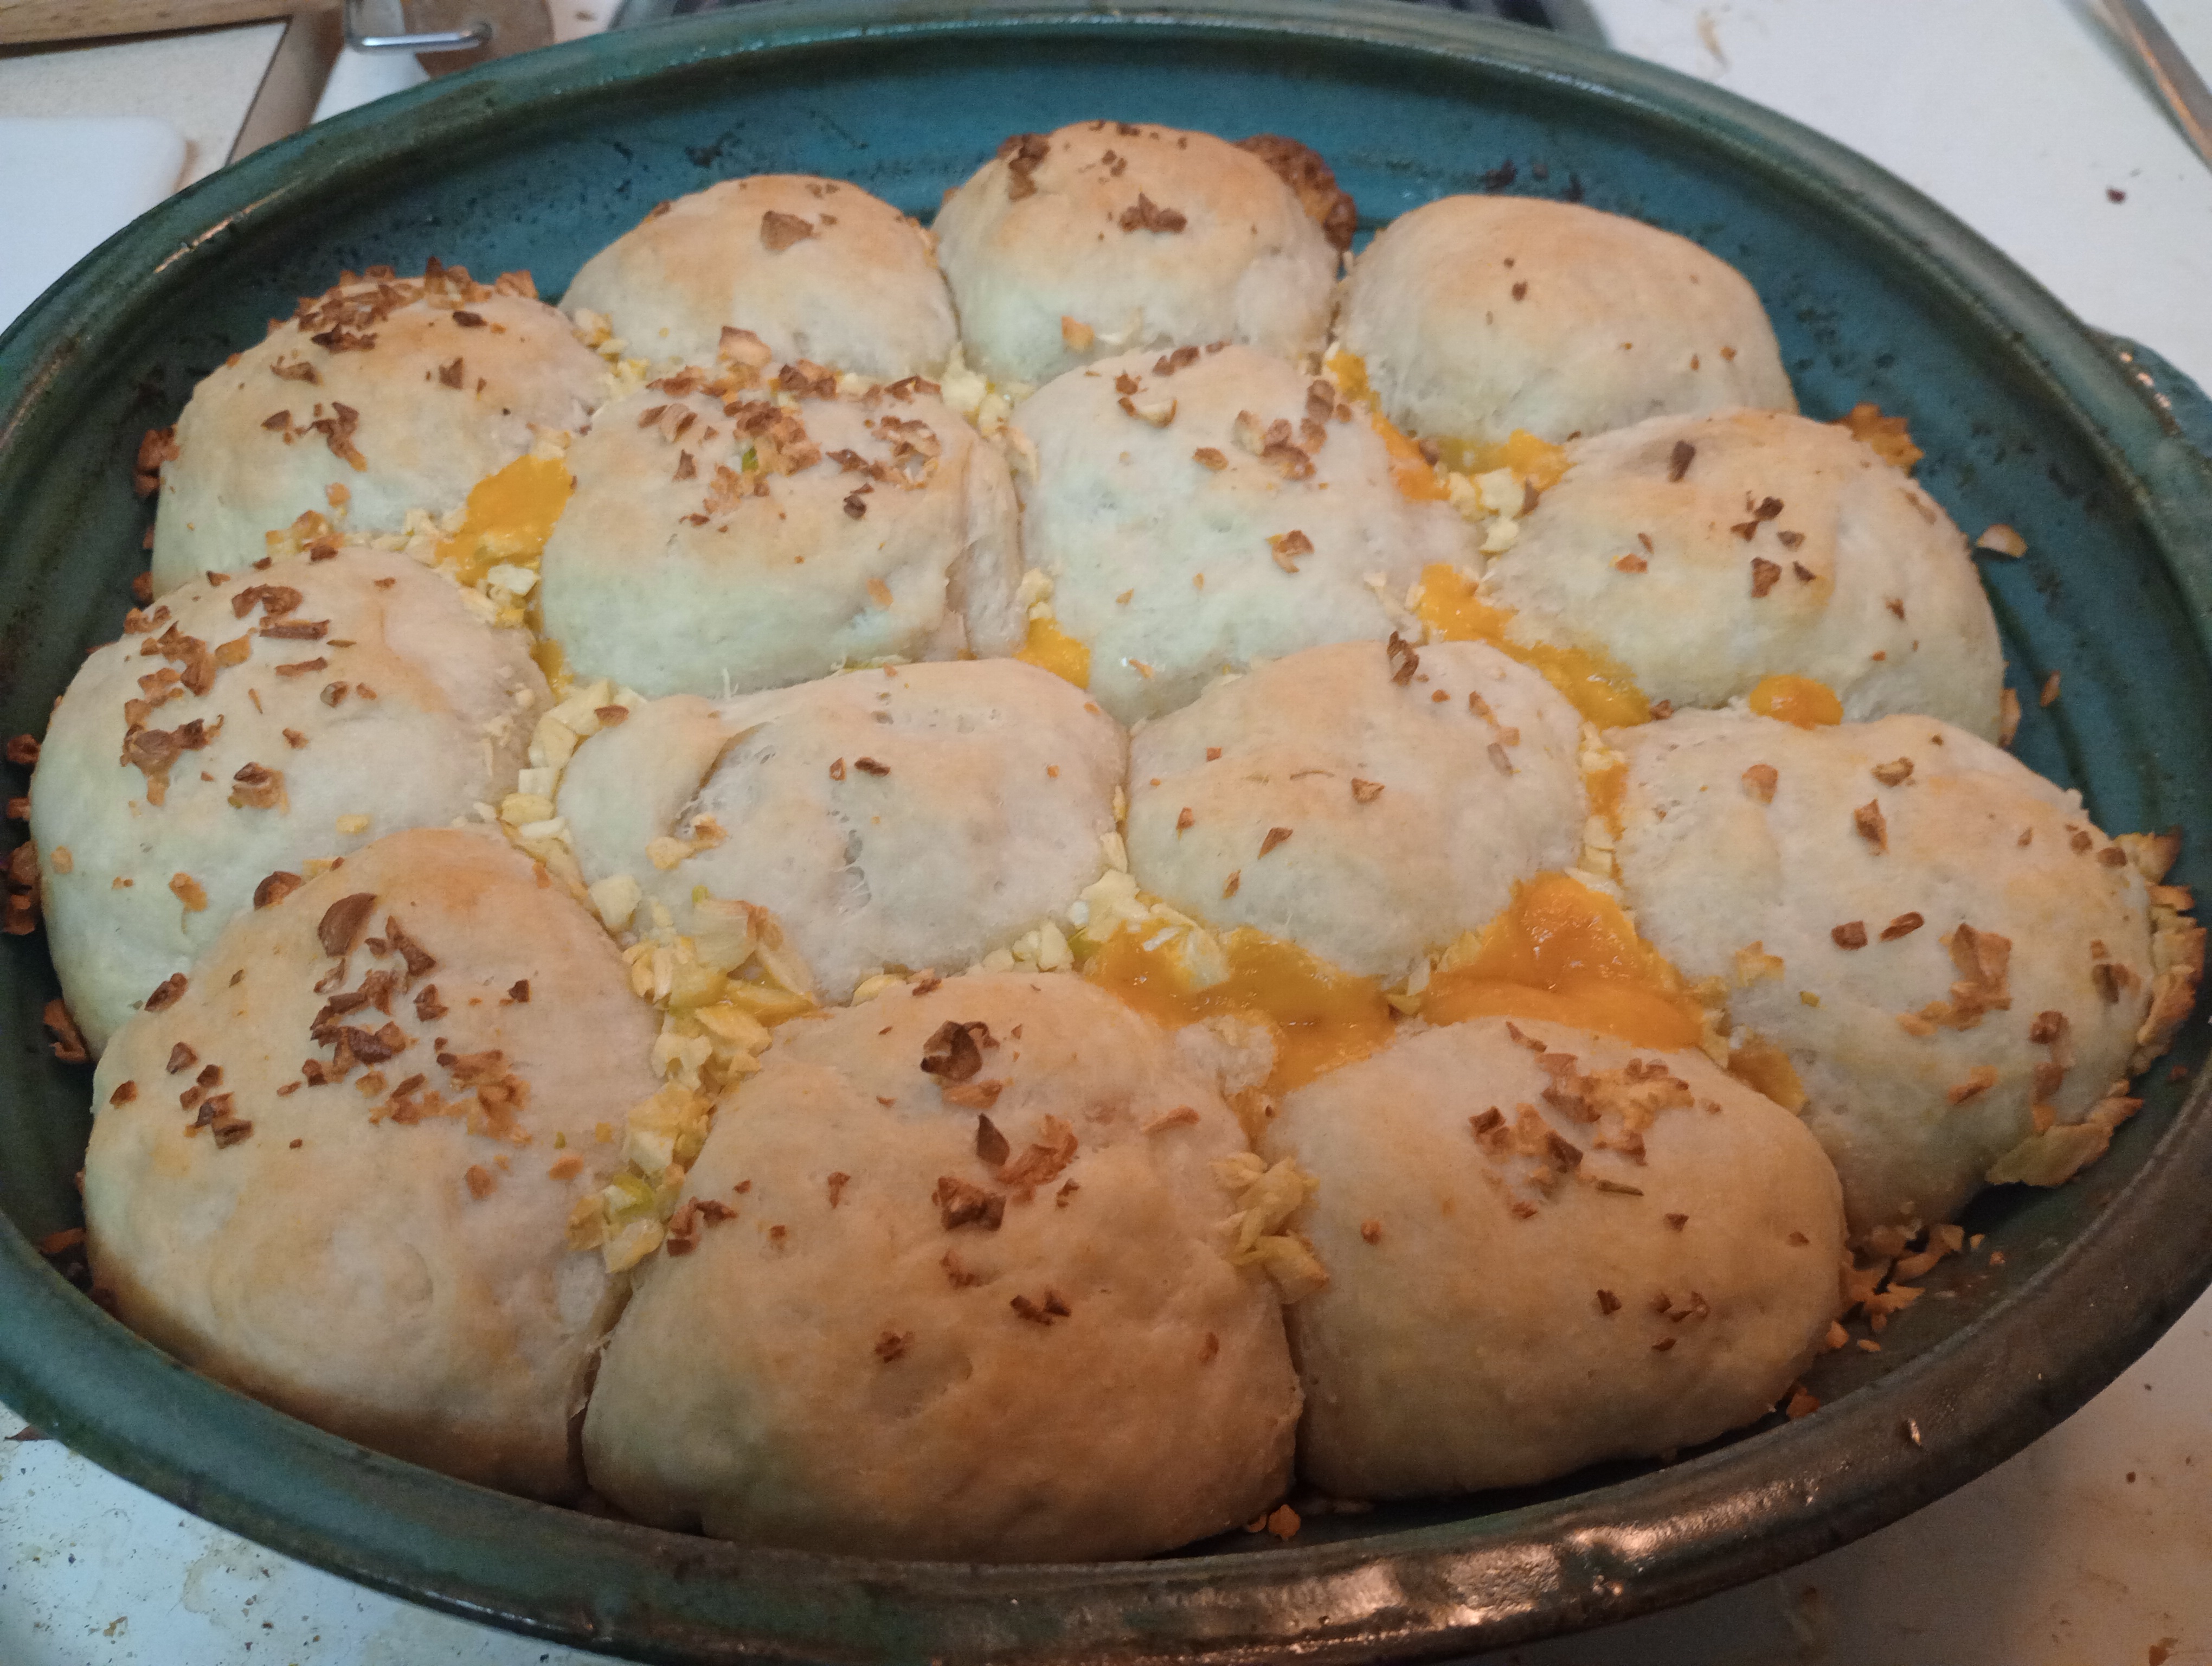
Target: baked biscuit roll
[
  {"x": 725, "y": 535},
  {"x": 333, "y": 1165},
  {"x": 1547, "y": 1248},
  {"x": 919, "y": 817},
  {"x": 957, "y": 1284},
  {"x": 1193, "y": 512},
  {"x": 1475, "y": 316},
  {"x": 1365, "y": 801},
  {"x": 382, "y": 395},
  {"x": 1928, "y": 950},
  {"x": 1106, "y": 238},
  {"x": 1705, "y": 553},
  {"x": 253, "y": 727},
  {"x": 814, "y": 269}
]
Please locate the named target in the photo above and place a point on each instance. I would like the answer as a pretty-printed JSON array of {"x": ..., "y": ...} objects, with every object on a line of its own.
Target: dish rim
[{"x": 1649, "y": 1543}]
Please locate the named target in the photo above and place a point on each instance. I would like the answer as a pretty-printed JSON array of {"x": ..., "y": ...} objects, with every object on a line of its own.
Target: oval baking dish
[{"x": 2027, "y": 417}]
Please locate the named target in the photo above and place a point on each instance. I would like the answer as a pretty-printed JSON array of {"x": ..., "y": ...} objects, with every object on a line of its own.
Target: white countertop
[
  {"x": 2019, "y": 116},
  {"x": 2092, "y": 1546}
]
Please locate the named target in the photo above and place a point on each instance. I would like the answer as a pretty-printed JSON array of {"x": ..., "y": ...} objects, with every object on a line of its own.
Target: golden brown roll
[
  {"x": 332, "y": 1166},
  {"x": 954, "y": 1284}
]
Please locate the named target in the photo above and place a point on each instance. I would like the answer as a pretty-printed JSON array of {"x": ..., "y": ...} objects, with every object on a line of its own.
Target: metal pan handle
[{"x": 360, "y": 37}]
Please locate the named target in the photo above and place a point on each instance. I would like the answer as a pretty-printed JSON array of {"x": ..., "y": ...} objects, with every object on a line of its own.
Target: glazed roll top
[
  {"x": 1190, "y": 513},
  {"x": 1026, "y": 1337},
  {"x": 916, "y": 818},
  {"x": 381, "y": 395},
  {"x": 1365, "y": 803},
  {"x": 333, "y": 1166},
  {"x": 1929, "y": 951},
  {"x": 730, "y": 532},
  {"x": 816, "y": 269},
  {"x": 263, "y": 726},
  {"x": 1706, "y": 554},
  {"x": 1471, "y": 317},
  {"x": 1105, "y": 238}
]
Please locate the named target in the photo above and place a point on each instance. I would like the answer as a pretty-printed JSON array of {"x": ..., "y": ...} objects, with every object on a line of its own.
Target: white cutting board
[{"x": 67, "y": 184}]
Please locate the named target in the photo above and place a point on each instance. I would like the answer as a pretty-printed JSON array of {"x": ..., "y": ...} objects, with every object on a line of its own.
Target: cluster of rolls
[{"x": 973, "y": 892}]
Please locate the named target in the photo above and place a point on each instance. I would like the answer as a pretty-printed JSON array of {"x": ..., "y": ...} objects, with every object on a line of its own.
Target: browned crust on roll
[
  {"x": 2177, "y": 944},
  {"x": 1328, "y": 204}
]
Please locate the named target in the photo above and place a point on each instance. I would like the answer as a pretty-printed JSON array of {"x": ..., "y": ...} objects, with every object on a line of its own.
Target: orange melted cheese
[
  {"x": 1321, "y": 1017},
  {"x": 1538, "y": 461},
  {"x": 1567, "y": 953},
  {"x": 554, "y": 663},
  {"x": 1597, "y": 687},
  {"x": 510, "y": 515},
  {"x": 1798, "y": 700},
  {"x": 1410, "y": 472},
  {"x": 1349, "y": 372},
  {"x": 1051, "y": 648},
  {"x": 1608, "y": 787},
  {"x": 1759, "y": 1063}
]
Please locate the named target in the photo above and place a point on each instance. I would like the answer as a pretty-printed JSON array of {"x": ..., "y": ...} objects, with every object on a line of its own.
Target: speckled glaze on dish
[{"x": 2083, "y": 444}]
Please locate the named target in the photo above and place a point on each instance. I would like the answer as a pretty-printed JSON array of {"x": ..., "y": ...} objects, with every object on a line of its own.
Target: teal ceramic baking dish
[{"x": 2027, "y": 416}]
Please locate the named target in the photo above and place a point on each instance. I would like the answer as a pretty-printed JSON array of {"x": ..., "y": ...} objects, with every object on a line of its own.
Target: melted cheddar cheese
[
  {"x": 1597, "y": 687},
  {"x": 510, "y": 515},
  {"x": 1321, "y": 1017},
  {"x": 1410, "y": 472},
  {"x": 1758, "y": 1063},
  {"x": 1051, "y": 648},
  {"x": 1565, "y": 952},
  {"x": 1798, "y": 700},
  {"x": 1537, "y": 461}
]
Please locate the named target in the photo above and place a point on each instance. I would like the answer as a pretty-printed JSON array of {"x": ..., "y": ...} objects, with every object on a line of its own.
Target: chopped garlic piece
[
  {"x": 1035, "y": 586},
  {"x": 1267, "y": 1198},
  {"x": 479, "y": 604},
  {"x": 632, "y": 1244},
  {"x": 730, "y": 1025},
  {"x": 1052, "y": 954},
  {"x": 519, "y": 809},
  {"x": 961, "y": 387},
  {"x": 665, "y": 853},
  {"x": 1501, "y": 491},
  {"x": 615, "y": 899},
  {"x": 552, "y": 743},
  {"x": 669, "y": 1127}
]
